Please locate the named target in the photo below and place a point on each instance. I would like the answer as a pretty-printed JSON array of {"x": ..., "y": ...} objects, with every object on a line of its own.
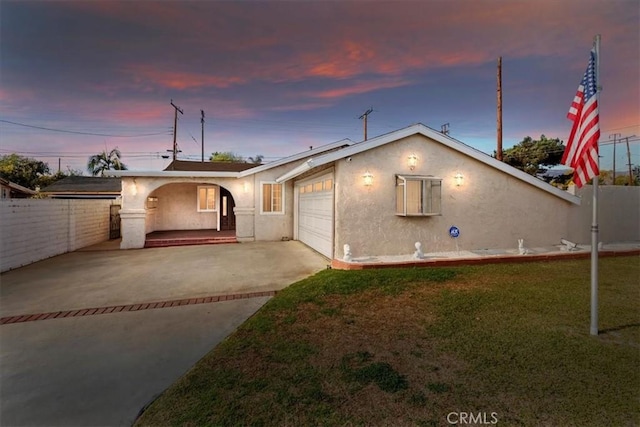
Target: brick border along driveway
[{"x": 130, "y": 307}]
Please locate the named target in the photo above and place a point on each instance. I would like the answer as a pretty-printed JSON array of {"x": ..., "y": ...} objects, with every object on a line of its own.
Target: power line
[{"x": 79, "y": 132}]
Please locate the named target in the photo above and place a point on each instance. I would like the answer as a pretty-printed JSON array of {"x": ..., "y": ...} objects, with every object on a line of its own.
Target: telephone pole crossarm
[{"x": 365, "y": 116}]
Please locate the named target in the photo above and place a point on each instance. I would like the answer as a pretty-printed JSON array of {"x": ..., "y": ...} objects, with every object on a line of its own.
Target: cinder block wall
[
  {"x": 618, "y": 215},
  {"x": 35, "y": 229}
]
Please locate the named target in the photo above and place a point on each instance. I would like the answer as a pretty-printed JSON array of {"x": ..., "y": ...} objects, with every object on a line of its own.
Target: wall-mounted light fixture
[
  {"x": 368, "y": 179},
  {"x": 459, "y": 179},
  {"x": 412, "y": 161},
  {"x": 152, "y": 202}
]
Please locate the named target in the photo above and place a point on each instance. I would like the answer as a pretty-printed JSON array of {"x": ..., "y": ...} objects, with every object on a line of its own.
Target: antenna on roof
[{"x": 444, "y": 129}]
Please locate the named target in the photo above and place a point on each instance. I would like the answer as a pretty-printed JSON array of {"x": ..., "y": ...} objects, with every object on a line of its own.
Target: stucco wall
[
  {"x": 273, "y": 226},
  {"x": 35, "y": 229},
  {"x": 177, "y": 206},
  {"x": 618, "y": 215},
  {"x": 491, "y": 208},
  {"x": 177, "y": 209}
]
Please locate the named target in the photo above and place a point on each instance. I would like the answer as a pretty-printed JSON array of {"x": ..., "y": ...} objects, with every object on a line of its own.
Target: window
[
  {"x": 418, "y": 195},
  {"x": 272, "y": 198},
  {"x": 206, "y": 199},
  {"x": 328, "y": 184}
]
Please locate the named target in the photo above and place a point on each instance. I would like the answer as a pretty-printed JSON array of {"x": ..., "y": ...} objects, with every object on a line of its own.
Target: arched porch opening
[{"x": 186, "y": 213}]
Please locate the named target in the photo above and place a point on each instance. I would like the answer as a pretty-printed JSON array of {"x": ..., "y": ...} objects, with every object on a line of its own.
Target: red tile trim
[{"x": 131, "y": 307}]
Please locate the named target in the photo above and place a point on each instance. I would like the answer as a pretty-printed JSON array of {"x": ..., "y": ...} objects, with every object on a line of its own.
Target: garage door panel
[{"x": 315, "y": 215}]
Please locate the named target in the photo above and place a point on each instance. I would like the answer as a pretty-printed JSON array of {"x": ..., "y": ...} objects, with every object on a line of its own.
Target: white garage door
[{"x": 315, "y": 213}]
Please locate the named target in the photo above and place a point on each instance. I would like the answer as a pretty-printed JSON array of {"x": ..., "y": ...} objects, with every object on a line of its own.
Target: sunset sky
[{"x": 275, "y": 77}]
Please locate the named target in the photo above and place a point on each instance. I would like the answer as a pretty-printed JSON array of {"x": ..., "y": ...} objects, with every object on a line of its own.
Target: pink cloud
[
  {"x": 179, "y": 80},
  {"x": 359, "y": 88}
]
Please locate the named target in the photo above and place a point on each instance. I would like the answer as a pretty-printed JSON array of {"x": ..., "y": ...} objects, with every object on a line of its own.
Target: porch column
[
  {"x": 132, "y": 225},
  {"x": 244, "y": 224}
]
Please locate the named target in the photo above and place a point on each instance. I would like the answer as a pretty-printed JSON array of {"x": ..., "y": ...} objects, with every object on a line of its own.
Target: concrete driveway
[{"x": 99, "y": 368}]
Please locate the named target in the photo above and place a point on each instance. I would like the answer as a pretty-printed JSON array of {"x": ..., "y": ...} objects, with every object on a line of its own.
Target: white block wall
[{"x": 35, "y": 229}]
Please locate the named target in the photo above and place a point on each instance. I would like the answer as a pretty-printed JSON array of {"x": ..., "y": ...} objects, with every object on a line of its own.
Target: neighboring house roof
[
  {"x": 16, "y": 188},
  {"x": 231, "y": 174},
  {"x": 432, "y": 134},
  {"x": 84, "y": 186},
  {"x": 191, "y": 166}
]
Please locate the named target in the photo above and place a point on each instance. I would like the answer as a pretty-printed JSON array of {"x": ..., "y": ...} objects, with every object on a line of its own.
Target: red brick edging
[
  {"x": 452, "y": 262},
  {"x": 130, "y": 307}
]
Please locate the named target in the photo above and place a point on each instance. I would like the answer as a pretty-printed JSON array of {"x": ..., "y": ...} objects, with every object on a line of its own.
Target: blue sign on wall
[{"x": 454, "y": 231}]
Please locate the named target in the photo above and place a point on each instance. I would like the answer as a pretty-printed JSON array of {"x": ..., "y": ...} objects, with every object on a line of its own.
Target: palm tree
[
  {"x": 105, "y": 161},
  {"x": 257, "y": 160}
]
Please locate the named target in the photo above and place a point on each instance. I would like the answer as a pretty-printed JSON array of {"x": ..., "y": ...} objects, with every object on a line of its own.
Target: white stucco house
[{"x": 379, "y": 196}]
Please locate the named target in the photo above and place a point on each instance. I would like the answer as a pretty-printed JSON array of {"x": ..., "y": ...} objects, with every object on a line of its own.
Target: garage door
[{"x": 315, "y": 213}]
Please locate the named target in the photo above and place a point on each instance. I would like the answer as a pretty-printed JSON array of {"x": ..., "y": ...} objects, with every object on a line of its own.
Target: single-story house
[
  {"x": 84, "y": 187},
  {"x": 11, "y": 190},
  {"x": 379, "y": 196}
]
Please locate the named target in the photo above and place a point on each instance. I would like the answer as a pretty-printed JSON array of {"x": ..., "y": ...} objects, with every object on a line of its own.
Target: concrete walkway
[{"x": 100, "y": 370}]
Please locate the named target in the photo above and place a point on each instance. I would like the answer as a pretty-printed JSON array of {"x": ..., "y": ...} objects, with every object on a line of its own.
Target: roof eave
[
  {"x": 297, "y": 157},
  {"x": 173, "y": 174}
]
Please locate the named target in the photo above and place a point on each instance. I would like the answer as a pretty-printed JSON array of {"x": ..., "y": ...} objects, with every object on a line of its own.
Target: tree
[
  {"x": 23, "y": 170},
  {"x": 105, "y": 161},
  {"x": 226, "y": 156},
  {"x": 531, "y": 155}
]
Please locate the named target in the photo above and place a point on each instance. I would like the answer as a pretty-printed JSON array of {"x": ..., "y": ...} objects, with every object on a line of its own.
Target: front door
[{"x": 227, "y": 216}]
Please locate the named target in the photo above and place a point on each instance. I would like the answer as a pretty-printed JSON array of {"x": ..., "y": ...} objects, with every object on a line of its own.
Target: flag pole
[{"x": 594, "y": 222}]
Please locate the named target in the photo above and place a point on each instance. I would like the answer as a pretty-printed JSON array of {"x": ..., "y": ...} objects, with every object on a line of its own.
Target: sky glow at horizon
[{"x": 274, "y": 78}]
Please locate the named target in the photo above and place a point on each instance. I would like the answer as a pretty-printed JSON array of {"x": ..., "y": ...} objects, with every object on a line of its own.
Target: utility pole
[
  {"x": 615, "y": 135},
  {"x": 175, "y": 129},
  {"x": 444, "y": 129},
  {"x": 58, "y": 164},
  {"x": 629, "y": 159},
  {"x": 499, "y": 119},
  {"x": 202, "y": 122},
  {"x": 364, "y": 116}
]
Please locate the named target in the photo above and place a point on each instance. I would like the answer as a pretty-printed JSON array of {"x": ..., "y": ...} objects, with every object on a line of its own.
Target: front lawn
[{"x": 507, "y": 343}]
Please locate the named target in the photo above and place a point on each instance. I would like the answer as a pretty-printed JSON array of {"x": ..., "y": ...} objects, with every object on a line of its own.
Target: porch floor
[{"x": 164, "y": 238}]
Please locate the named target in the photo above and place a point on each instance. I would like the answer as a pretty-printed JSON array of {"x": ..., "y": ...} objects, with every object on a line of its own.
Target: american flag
[{"x": 582, "y": 148}]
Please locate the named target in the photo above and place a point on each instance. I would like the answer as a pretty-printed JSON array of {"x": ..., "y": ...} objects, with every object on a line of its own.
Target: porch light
[
  {"x": 368, "y": 179},
  {"x": 459, "y": 179},
  {"x": 412, "y": 161}
]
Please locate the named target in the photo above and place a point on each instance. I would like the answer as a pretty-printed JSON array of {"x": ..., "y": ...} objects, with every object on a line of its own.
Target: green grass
[{"x": 407, "y": 347}]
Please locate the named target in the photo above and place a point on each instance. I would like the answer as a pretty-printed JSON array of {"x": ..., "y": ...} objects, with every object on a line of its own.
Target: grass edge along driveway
[{"x": 502, "y": 343}]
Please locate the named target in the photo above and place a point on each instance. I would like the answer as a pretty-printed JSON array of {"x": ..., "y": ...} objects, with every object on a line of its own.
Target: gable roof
[
  {"x": 185, "y": 165},
  {"x": 17, "y": 187},
  {"x": 84, "y": 185},
  {"x": 331, "y": 147},
  {"x": 420, "y": 129}
]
